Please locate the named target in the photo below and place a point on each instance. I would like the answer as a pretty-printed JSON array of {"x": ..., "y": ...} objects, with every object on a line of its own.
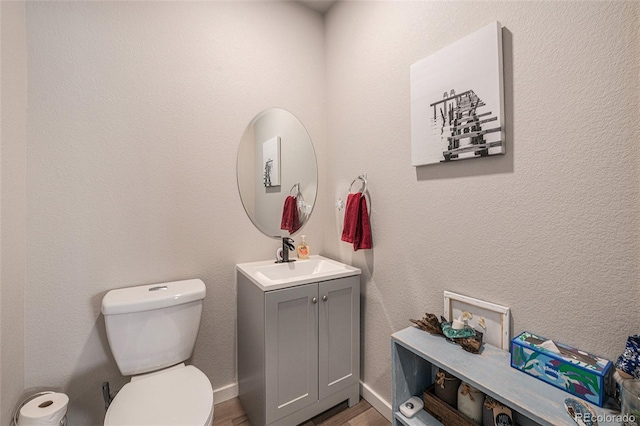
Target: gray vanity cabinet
[
  {"x": 298, "y": 349},
  {"x": 338, "y": 335},
  {"x": 291, "y": 349}
]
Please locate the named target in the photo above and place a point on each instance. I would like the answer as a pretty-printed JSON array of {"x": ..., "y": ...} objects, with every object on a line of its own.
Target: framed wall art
[
  {"x": 271, "y": 162},
  {"x": 457, "y": 100}
]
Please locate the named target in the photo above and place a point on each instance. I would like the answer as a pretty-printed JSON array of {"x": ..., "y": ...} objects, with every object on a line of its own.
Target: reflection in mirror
[{"x": 276, "y": 160}]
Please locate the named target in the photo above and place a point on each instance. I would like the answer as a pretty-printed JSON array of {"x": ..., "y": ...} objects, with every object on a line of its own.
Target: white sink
[{"x": 269, "y": 275}]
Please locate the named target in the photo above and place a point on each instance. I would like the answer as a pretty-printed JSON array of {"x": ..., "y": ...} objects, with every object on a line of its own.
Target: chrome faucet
[{"x": 287, "y": 244}]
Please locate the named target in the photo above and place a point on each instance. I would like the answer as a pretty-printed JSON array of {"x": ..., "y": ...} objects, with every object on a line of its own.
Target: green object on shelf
[{"x": 452, "y": 333}]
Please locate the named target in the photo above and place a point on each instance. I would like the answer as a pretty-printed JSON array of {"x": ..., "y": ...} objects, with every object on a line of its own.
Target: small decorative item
[
  {"x": 580, "y": 412},
  {"x": 447, "y": 387},
  {"x": 271, "y": 162},
  {"x": 470, "y": 402},
  {"x": 468, "y": 338},
  {"x": 471, "y": 344},
  {"x": 451, "y": 332},
  {"x": 457, "y": 109},
  {"x": 488, "y": 418},
  {"x": 628, "y": 364},
  {"x": 496, "y": 414},
  {"x": 482, "y": 323},
  {"x": 461, "y": 322},
  {"x": 429, "y": 323},
  {"x": 411, "y": 407}
]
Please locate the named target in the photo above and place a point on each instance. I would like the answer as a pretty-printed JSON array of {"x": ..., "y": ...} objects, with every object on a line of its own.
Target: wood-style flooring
[{"x": 231, "y": 413}]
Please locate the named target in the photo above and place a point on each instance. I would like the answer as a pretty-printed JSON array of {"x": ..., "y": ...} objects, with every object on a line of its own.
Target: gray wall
[
  {"x": 136, "y": 111},
  {"x": 13, "y": 89},
  {"x": 550, "y": 229}
]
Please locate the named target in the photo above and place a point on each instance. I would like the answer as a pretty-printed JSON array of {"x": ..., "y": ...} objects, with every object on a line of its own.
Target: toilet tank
[{"x": 151, "y": 327}]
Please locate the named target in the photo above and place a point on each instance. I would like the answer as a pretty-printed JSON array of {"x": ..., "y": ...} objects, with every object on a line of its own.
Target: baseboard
[
  {"x": 376, "y": 401},
  {"x": 225, "y": 393}
]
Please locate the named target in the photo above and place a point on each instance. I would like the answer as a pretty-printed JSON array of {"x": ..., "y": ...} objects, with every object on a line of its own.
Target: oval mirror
[{"x": 276, "y": 160}]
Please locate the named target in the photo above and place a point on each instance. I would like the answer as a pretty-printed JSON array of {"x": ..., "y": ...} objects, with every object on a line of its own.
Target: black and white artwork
[
  {"x": 271, "y": 162},
  {"x": 457, "y": 100}
]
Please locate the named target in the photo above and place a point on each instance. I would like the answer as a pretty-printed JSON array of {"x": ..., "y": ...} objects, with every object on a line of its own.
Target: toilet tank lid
[{"x": 152, "y": 296}]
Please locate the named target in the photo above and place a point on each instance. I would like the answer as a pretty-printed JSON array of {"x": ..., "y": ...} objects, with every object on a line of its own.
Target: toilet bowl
[
  {"x": 180, "y": 395},
  {"x": 151, "y": 330}
]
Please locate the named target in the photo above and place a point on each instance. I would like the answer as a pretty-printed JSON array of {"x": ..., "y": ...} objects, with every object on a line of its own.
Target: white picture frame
[
  {"x": 497, "y": 318},
  {"x": 457, "y": 100},
  {"x": 271, "y": 162}
]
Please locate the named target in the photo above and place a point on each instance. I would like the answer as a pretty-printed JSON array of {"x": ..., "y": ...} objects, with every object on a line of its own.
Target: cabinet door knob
[
  {"x": 314, "y": 300},
  {"x": 324, "y": 297}
]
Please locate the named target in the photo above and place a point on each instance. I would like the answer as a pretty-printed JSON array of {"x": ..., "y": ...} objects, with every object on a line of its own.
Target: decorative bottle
[
  {"x": 303, "y": 249},
  {"x": 470, "y": 402},
  {"x": 495, "y": 413},
  {"x": 446, "y": 387}
]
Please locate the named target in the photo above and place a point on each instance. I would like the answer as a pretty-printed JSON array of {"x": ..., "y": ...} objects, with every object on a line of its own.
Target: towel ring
[
  {"x": 363, "y": 178},
  {"x": 297, "y": 188},
  {"x": 364, "y": 192}
]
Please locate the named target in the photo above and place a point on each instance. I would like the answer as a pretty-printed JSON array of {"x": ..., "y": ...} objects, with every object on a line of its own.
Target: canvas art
[
  {"x": 271, "y": 162},
  {"x": 457, "y": 105},
  {"x": 494, "y": 321}
]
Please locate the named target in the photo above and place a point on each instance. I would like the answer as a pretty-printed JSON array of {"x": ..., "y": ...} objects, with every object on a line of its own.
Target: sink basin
[{"x": 272, "y": 276}]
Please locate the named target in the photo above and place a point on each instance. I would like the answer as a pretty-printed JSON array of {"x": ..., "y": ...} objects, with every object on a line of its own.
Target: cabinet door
[
  {"x": 339, "y": 334},
  {"x": 291, "y": 350}
]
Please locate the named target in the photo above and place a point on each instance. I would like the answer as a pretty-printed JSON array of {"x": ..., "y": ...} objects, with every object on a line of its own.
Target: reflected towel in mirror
[{"x": 290, "y": 219}]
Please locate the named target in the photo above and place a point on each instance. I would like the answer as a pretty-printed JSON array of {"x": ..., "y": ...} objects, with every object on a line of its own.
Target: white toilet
[{"x": 152, "y": 330}]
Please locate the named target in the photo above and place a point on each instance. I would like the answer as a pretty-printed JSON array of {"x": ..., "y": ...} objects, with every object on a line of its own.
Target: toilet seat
[{"x": 179, "y": 396}]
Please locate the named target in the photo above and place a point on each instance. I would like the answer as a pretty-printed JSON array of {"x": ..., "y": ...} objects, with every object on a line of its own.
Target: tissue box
[{"x": 579, "y": 373}]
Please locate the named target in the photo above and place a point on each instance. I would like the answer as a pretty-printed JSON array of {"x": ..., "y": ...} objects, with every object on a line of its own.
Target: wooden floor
[{"x": 231, "y": 413}]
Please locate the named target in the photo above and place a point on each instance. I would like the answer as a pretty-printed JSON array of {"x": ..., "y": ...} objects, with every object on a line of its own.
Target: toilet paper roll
[{"x": 44, "y": 410}]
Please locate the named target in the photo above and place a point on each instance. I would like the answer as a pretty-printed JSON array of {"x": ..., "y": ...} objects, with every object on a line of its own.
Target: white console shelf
[{"x": 417, "y": 354}]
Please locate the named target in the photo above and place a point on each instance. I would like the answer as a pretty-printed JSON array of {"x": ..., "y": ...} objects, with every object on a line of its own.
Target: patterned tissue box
[{"x": 579, "y": 373}]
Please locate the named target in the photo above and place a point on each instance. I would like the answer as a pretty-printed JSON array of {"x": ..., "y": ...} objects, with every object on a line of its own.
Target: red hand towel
[
  {"x": 363, "y": 233},
  {"x": 290, "y": 220},
  {"x": 357, "y": 226},
  {"x": 351, "y": 214}
]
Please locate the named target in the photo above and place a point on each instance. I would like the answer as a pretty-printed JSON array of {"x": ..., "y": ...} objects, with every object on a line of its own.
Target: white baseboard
[
  {"x": 225, "y": 393},
  {"x": 376, "y": 401}
]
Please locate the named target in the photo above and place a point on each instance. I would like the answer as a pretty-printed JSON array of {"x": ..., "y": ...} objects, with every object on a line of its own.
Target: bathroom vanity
[{"x": 298, "y": 338}]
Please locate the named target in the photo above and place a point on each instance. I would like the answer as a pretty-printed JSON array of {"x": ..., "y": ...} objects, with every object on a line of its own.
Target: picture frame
[
  {"x": 457, "y": 100},
  {"x": 497, "y": 318},
  {"x": 271, "y": 162}
]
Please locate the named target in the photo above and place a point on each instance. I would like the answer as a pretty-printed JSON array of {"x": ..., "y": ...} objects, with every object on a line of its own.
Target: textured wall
[
  {"x": 13, "y": 83},
  {"x": 550, "y": 229},
  {"x": 134, "y": 121},
  {"x": 136, "y": 110}
]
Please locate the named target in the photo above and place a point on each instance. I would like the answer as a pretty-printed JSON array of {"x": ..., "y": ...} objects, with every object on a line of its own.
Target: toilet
[{"x": 152, "y": 330}]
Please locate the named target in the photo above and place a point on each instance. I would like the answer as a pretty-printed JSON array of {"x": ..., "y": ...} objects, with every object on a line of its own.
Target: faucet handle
[{"x": 288, "y": 242}]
